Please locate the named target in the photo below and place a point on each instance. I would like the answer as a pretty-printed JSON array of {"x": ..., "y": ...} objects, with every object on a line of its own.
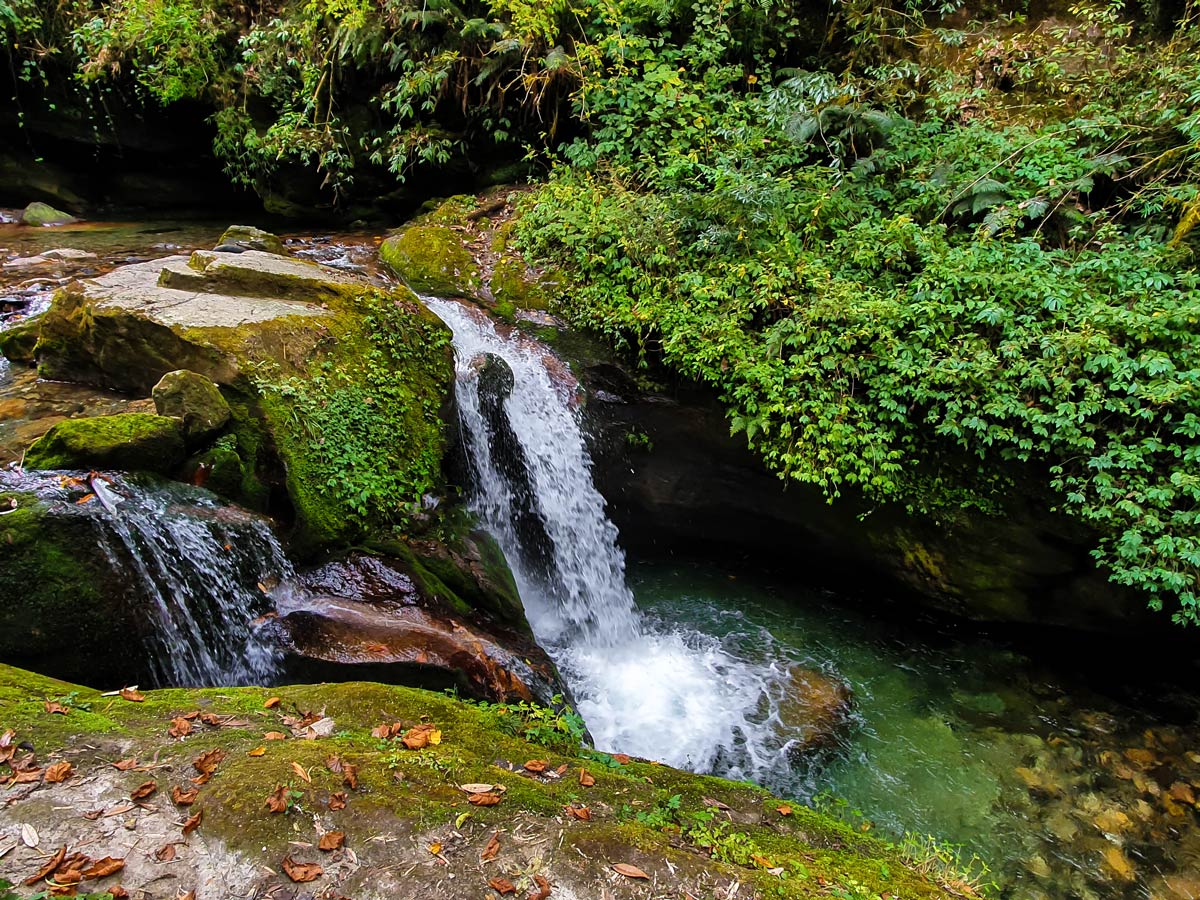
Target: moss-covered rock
[
  {"x": 247, "y": 237},
  {"x": 128, "y": 441},
  {"x": 402, "y": 812},
  {"x": 39, "y": 214},
  {"x": 17, "y": 343},
  {"x": 431, "y": 259},
  {"x": 195, "y": 401}
]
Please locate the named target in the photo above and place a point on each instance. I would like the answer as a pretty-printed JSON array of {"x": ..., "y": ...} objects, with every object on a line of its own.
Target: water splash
[
  {"x": 193, "y": 563},
  {"x": 644, "y": 687}
]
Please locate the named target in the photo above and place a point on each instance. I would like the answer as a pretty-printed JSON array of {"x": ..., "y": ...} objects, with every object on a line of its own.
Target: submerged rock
[
  {"x": 130, "y": 441},
  {"x": 815, "y": 708},
  {"x": 38, "y": 214},
  {"x": 194, "y": 400}
]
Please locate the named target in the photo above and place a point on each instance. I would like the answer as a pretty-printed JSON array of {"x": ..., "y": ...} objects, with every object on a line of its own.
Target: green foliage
[
  {"x": 917, "y": 306},
  {"x": 557, "y": 727}
]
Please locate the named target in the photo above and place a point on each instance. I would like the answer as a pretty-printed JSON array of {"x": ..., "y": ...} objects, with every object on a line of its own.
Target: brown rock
[{"x": 815, "y": 709}]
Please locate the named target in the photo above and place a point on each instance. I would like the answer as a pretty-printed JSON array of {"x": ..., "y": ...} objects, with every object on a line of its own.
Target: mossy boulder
[
  {"x": 17, "y": 343},
  {"x": 127, "y": 441},
  {"x": 431, "y": 259},
  {"x": 193, "y": 399},
  {"x": 38, "y": 214},
  {"x": 406, "y": 824},
  {"x": 247, "y": 237}
]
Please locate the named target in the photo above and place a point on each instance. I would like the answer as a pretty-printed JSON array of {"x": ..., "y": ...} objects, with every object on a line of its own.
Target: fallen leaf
[
  {"x": 206, "y": 763},
  {"x": 621, "y": 758},
  {"x": 184, "y": 796},
  {"x": 420, "y": 736},
  {"x": 125, "y": 765},
  {"x": 492, "y": 850},
  {"x": 762, "y": 861},
  {"x": 165, "y": 853},
  {"x": 257, "y": 751},
  {"x": 29, "y": 836},
  {"x": 585, "y": 778},
  {"x": 537, "y": 766},
  {"x": 277, "y": 802},
  {"x": 334, "y": 764},
  {"x": 435, "y": 848},
  {"x": 579, "y": 812},
  {"x": 86, "y": 498},
  {"x": 561, "y": 770},
  {"x": 338, "y": 800},
  {"x": 192, "y": 716},
  {"x": 132, "y": 695},
  {"x": 180, "y": 727},
  {"x": 181, "y": 894},
  {"x": 629, "y": 871},
  {"x": 543, "y": 890},
  {"x": 485, "y": 799},
  {"x": 502, "y": 886},
  {"x": 53, "y": 707},
  {"x": 714, "y": 804},
  {"x": 192, "y": 823},
  {"x": 301, "y": 872},
  {"x": 119, "y": 893},
  {"x": 301, "y": 773},
  {"x": 212, "y": 720},
  {"x": 49, "y": 866},
  {"x": 102, "y": 868},
  {"x": 332, "y": 840},
  {"x": 381, "y": 732},
  {"x": 28, "y": 776},
  {"x": 475, "y": 788},
  {"x": 144, "y": 790},
  {"x": 58, "y": 773},
  {"x": 271, "y": 703},
  {"x": 93, "y": 814},
  {"x": 274, "y": 736},
  {"x": 784, "y": 810},
  {"x": 350, "y": 776}
]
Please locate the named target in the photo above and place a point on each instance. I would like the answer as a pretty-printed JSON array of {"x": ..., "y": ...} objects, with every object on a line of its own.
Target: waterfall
[
  {"x": 660, "y": 692},
  {"x": 192, "y": 565}
]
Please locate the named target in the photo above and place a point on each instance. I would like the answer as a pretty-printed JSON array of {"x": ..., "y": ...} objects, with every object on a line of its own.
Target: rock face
[
  {"x": 134, "y": 441},
  {"x": 195, "y": 401},
  {"x": 38, "y": 214},
  {"x": 432, "y": 260},
  {"x": 247, "y": 237}
]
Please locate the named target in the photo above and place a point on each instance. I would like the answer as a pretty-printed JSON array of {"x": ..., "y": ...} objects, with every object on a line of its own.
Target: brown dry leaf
[
  {"x": 381, "y": 732},
  {"x": 543, "y": 890},
  {"x": 53, "y": 706},
  {"x": 301, "y": 773},
  {"x": 488, "y": 799},
  {"x": 86, "y": 498},
  {"x": 338, "y": 800},
  {"x": 185, "y": 895},
  {"x": 537, "y": 766},
  {"x": 201, "y": 779},
  {"x": 212, "y": 720},
  {"x": 119, "y": 893},
  {"x": 165, "y": 853},
  {"x": 502, "y": 886},
  {"x": 192, "y": 716},
  {"x": 492, "y": 850},
  {"x": 350, "y": 776},
  {"x": 93, "y": 814},
  {"x": 132, "y": 696},
  {"x": 332, "y": 840},
  {"x": 629, "y": 871},
  {"x": 561, "y": 770},
  {"x": 274, "y": 736},
  {"x": 712, "y": 803},
  {"x": 28, "y": 776},
  {"x": 206, "y": 763},
  {"x": 271, "y": 703},
  {"x": 301, "y": 872},
  {"x": 582, "y": 813},
  {"x": 277, "y": 802},
  {"x": 58, "y": 773},
  {"x": 621, "y": 758},
  {"x": 420, "y": 736},
  {"x": 585, "y": 778},
  {"x": 102, "y": 868},
  {"x": 762, "y": 861},
  {"x": 257, "y": 751},
  {"x": 435, "y": 848},
  {"x": 784, "y": 810},
  {"x": 144, "y": 790},
  {"x": 180, "y": 727},
  {"x": 125, "y": 765},
  {"x": 192, "y": 823},
  {"x": 184, "y": 796},
  {"x": 334, "y": 764},
  {"x": 49, "y": 866}
]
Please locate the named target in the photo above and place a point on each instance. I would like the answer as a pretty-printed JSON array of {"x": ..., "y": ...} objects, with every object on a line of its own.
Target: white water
[{"x": 663, "y": 693}]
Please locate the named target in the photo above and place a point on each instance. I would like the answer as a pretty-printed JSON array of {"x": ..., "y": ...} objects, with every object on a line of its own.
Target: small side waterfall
[
  {"x": 192, "y": 563},
  {"x": 660, "y": 692}
]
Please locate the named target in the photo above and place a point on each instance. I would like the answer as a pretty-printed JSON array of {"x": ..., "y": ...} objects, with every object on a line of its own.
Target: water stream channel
[{"x": 1068, "y": 793}]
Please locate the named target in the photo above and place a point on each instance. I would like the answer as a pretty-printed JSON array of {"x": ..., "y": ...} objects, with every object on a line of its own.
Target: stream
[{"x": 1068, "y": 794}]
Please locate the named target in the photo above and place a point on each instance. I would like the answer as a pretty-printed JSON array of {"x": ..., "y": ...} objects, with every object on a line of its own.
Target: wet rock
[
  {"x": 193, "y": 399},
  {"x": 127, "y": 441},
  {"x": 247, "y": 237},
  {"x": 815, "y": 708},
  {"x": 39, "y": 214},
  {"x": 64, "y": 254},
  {"x": 1117, "y": 864},
  {"x": 17, "y": 342},
  {"x": 431, "y": 259}
]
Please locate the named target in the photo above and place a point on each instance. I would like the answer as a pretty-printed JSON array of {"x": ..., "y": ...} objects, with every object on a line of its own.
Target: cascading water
[
  {"x": 655, "y": 691},
  {"x": 193, "y": 564}
]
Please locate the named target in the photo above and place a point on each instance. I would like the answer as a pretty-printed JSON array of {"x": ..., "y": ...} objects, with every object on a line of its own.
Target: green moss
[
  {"x": 431, "y": 259},
  {"x": 18, "y": 342},
  {"x": 129, "y": 441},
  {"x": 512, "y": 283}
]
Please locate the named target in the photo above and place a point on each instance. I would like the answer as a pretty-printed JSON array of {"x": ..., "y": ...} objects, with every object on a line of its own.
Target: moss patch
[
  {"x": 128, "y": 441},
  {"x": 432, "y": 260}
]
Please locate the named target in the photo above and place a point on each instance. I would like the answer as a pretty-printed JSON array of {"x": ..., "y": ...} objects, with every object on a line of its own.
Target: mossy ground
[{"x": 412, "y": 831}]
